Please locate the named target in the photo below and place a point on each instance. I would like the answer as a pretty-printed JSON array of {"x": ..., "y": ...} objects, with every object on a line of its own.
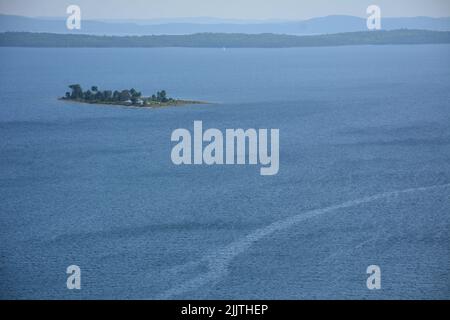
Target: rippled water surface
[{"x": 364, "y": 175}]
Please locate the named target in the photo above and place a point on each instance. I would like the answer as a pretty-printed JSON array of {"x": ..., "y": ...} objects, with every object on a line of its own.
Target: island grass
[{"x": 153, "y": 104}]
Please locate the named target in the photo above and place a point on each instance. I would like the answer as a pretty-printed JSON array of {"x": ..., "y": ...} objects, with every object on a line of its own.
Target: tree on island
[
  {"x": 161, "y": 96},
  {"x": 88, "y": 95},
  {"x": 77, "y": 92},
  {"x": 116, "y": 95},
  {"x": 99, "y": 96},
  {"x": 124, "y": 95},
  {"x": 107, "y": 94}
]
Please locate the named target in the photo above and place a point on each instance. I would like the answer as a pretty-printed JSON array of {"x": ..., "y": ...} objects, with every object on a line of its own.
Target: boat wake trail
[{"x": 217, "y": 263}]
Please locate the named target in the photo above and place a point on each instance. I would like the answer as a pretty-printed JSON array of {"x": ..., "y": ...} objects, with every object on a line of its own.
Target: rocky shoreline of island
[{"x": 128, "y": 97}]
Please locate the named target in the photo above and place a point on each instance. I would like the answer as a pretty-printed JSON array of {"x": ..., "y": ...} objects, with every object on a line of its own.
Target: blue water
[{"x": 95, "y": 186}]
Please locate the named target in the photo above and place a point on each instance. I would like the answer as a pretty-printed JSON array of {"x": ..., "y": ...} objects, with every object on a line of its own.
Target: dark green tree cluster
[
  {"x": 107, "y": 96},
  {"x": 96, "y": 95},
  {"x": 161, "y": 96}
]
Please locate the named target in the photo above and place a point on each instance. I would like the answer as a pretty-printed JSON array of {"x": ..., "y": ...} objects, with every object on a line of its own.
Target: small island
[{"x": 128, "y": 98}]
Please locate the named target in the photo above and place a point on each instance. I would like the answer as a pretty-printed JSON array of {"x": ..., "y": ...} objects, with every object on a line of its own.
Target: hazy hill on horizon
[{"x": 181, "y": 26}]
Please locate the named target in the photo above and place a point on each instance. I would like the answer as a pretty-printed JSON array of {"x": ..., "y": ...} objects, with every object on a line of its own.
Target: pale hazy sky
[{"x": 235, "y": 9}]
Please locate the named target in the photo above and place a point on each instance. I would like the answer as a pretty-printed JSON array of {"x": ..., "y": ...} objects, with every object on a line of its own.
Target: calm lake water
[{"x": 94, "y": 186}]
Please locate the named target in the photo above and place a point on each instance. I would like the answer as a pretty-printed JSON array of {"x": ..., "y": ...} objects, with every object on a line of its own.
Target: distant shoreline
[{"x": 224, "y": 40}]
